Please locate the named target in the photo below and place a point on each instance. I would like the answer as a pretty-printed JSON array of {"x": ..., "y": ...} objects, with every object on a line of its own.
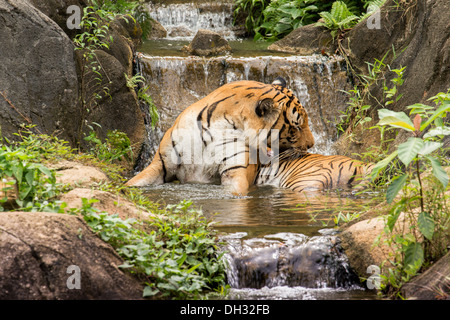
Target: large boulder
[
  {"x": 47, "y": 256},
  {"x": 57, "y": 11},
  {"x": 38, "y": 74}
]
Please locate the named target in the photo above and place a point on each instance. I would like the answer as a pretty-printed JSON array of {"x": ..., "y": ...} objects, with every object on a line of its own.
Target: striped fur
[
  {"x": 221, "y": 129},
  {"x": 306, "y": 171}
]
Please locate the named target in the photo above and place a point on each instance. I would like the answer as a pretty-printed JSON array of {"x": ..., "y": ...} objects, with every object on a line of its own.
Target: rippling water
[{"x": 266, "y": 213}]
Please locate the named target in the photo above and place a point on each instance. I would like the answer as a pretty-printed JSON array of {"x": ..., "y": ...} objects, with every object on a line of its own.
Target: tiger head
[{"x": 294, "y": 131}]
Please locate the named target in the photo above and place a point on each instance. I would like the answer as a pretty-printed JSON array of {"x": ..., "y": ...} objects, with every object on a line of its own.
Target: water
[
  {"x": 280, "y": 244},
  {"x": 183, "y": 20}
]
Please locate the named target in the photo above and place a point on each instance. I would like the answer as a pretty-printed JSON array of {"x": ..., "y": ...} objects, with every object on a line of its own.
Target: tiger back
[
  {"x": 212, "y": 140},
  {"x": 306, "y": 172}
]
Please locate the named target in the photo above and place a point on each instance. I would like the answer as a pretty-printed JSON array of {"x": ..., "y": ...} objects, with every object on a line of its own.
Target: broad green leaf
[
  {"x": 395, "y": 119},
  {"x": 426, "y": 225},
  {"x": 414, "y": 256},
  {"x": 149, "y": 291},
  {"x": 395, "y": 187},
  {"x": 381, "y": 164},
  {"x": 429, "y": 147},
  {"x": 419, "y": 108},
  {"x": 408, "y": 150},
  {"x": 438, "y": 131},
  {"x": 437, "y": 113},
  {"x": 438, "y": 171},
  {"x": 394, "y": 213}
]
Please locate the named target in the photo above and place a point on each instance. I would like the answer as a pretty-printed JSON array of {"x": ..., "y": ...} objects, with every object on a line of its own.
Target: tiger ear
[
  {"x": 279, "y": 81},
  {"x": 266, "y": 108}
]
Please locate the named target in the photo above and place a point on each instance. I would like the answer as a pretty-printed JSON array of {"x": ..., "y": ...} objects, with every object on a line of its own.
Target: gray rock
[
  {"x": 306, "y": 40},
  {"x": 37, "y": 250},
  {"x": 38, "y": 76},
  {"x": 433, "y": 284},
  {"x": 207, "y": 43},
  {"x": 157, "y": 30}
]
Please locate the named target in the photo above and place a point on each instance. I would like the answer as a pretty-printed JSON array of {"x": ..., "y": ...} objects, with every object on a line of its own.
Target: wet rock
[
  {"x": 157, "y": 31},
  {"x": 207, "y": 43},
  {"x": 37, "y": 251},
  {"x": 306, "y": 40}
]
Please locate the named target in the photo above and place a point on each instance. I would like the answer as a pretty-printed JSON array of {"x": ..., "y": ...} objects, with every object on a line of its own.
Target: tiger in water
[
  {"x": 212, "y": 140},
  {"x": 302, "y": 171}
]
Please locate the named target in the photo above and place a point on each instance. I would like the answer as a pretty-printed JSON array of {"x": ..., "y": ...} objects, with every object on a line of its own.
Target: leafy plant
[
  {"x": 178, "y": 258},
  {"x": 116, "y": 147},
  {"x": 132, "y": 8},
  {"x": 35, "y": 183},
  {"x": 338, "y": 19},
  {"x": 253, "y": 11},
  {"x": 134, "y": 83},
  {"x": 282, "y": 16},
  {"x": 419, "y": 154}
]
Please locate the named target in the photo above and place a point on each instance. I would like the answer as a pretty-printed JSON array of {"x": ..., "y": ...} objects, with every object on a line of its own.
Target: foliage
[
  {"x": 338, "y": 19},
  {"x": 178, "y": 258},
  {"x": 116, "y": 147},
  {"x": 175, "y": 253},
  {"x": 282, "y": 16},
  {"x": 426, "y": 231},
  {"x": 253, "y": 10},
  {"x": 134, "y": 83},
  {"x": 272, "y": 20},
  {"x": 132, "y": 8},
  {"x": 35, "y": 183}
]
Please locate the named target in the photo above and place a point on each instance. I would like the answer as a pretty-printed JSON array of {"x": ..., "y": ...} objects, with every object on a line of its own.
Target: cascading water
[
  {"x": 313, "y": 265},
  {"x": 183, "y": 20},
  {"x": 285, "y": 264}
]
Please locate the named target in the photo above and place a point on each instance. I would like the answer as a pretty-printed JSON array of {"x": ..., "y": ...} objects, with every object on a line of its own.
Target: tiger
[
  {"x": 214, "y": 140},
  {"x": 303, "y": 171}
]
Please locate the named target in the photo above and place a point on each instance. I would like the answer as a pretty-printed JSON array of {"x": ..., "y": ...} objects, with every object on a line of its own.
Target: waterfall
[
  {"x": 183, "y": 20},
  {"x": 287, "y": 259}
]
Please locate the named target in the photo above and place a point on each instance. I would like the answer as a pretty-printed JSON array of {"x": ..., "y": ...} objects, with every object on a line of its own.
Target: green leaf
[
  {"x": 193, "y": 268},
  {"x": 149, "y": 291},
  {"x": 381, "y": 164},
  {"x": 438, "y": 131},
  {"x": 437, "y": 113},
  {"x": 414, "y": 256},
  {"x": 408, "y": 150},
  {"x": 426, "y": 225},
  {"x": 395, "y": 119},
  {"x": 395, "y": 187},
  {"x": 429, "y": 147},
  {"x": 438, "y": 171}
]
